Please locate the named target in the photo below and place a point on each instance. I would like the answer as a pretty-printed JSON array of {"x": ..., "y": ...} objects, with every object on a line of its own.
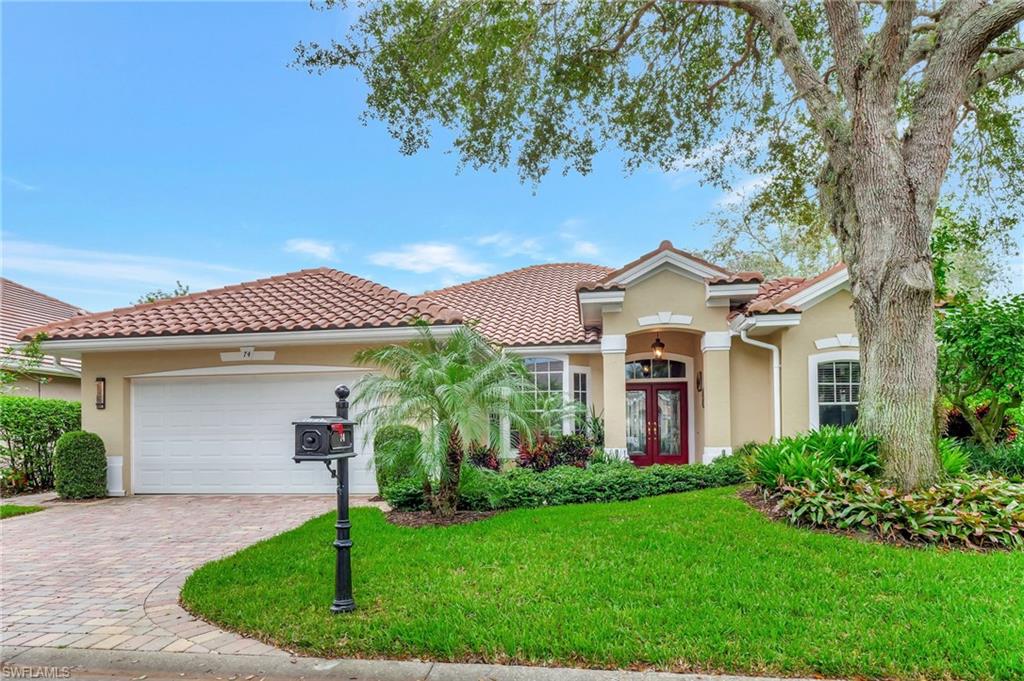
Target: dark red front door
[{"x": 656, "y": 423}]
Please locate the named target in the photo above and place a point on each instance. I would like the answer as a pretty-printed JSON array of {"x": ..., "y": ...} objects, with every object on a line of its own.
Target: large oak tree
[{"x": 852, "y": 109}]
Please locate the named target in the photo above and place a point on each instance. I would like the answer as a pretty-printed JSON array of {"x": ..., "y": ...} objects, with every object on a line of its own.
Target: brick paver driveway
[{"x": 107, "y": 574}]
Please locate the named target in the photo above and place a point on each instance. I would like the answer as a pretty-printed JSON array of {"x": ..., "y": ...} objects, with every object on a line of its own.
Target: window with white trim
[
  {"x": 548, "y": 375},
  {"x": 838, "y": 392},
  {"x": 581, "y": 396}
]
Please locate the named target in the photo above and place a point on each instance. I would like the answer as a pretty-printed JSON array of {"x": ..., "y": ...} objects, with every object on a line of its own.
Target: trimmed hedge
[
  {"x": 523, "y": 488},
  {"x": 80, "y": 466},
  {"x": 29, "y": 429}
]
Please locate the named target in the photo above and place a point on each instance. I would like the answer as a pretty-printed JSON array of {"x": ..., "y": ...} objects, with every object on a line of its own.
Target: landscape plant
[
  {"x": 981, "y": 362},
  {"x": 454, "y": 390},
  {"x": 29, "y": 430},
  {"x": 80, "y": 466},
  {"x": 840, "y": 117}
]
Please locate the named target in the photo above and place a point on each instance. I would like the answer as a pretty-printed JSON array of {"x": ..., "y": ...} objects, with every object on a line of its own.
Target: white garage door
[{"x": 234, "y": 434}]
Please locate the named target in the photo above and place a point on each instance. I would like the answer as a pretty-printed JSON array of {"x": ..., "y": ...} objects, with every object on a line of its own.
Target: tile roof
[
  {"x": 22, "y": 307},
  {"x": 737, "y": 278},
  {"x": 530, "y": 306},
  {"x": 316, "y": 299},
  {"x": 772, "y": 295}
]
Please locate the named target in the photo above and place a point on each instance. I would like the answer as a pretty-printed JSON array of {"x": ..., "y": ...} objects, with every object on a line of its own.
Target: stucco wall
[
  {"x": 832, "y": 316},
  {"x": 57, "y": 387},
  {"x": 113, "y": 424},
  {"x": 665, "y": 291},
  {"x": 751, "y": 390}
]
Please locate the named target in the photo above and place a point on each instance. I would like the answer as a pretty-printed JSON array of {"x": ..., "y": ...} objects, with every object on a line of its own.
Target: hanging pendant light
[{"x": 658, "y": 348}]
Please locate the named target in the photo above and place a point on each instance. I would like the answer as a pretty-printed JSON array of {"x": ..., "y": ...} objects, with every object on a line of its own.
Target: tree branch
[
  {"x": 893, "y": 42},
  {"x": 628, "y": 28},
  {"x": 1000, "y": 68},
  {"x": 848, "y": 38},
  {"x": 749, "y": 48}
]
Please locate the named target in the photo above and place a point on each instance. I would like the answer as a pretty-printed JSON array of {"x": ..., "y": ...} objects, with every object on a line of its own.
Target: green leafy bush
[
  {"x": 618, "y": 481},
  {"x": 29, "y": 429},
  {"x": 80, "y": 466},
  {"x": 394, "y": 453},
  {"x": 970, "y": 511},
  {"x": 813, "y": 456},
  {"x": 954, "y": 457},
  {"x": 561, "y": 450},
  {"x": 1006, "y": 458}
]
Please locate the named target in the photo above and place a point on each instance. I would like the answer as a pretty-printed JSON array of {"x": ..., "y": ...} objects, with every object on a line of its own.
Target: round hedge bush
[
  {"x": 394, "y": 452},
  {"x": 80, "y": 466}
]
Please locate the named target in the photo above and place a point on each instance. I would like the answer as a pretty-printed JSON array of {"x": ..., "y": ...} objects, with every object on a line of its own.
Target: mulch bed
[{"x": 428, "y": 519}]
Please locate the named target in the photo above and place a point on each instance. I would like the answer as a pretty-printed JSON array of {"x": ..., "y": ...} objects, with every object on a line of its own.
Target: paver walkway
[{"x": 106, "y": 575}]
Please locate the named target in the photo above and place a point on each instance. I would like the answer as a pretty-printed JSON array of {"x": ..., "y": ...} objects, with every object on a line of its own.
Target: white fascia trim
[
  {"x": 731, "y": 290},
  {"x": 539, "y": 350},
  {"x": 252, "y": 369},
  {"x": 602, "y": 297},
  {"x": 691, "y": 267},
  {"x": 48, "y": 370},
  {"x": 235, "y": 340},
  {"x": 818, "y": 292},
  {"x": 764, "y": 321}
]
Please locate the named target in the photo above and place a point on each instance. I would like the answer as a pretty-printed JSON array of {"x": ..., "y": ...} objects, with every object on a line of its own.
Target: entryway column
[
  {"x": 717, "y": 413},
  {"x": 613, "y": 351}
]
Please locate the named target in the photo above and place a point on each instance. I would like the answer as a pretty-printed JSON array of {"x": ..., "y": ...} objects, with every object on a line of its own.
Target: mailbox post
[{"x": 327, "y": 439}]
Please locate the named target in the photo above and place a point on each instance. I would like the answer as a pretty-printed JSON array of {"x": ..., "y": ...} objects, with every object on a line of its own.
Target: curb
[{"x": 134, "y": 664}]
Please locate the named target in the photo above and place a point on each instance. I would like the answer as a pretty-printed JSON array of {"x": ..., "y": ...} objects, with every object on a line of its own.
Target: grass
[
  {"x": 11, "y": 510},
  {"x": 695, "y": 581}
]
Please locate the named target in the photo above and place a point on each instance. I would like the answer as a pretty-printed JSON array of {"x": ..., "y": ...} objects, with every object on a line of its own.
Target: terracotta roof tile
[
  {"x": 316, "y": 299},
  {"x": 737, "y": 278},
  {"x": 772, "y": 295},
  {"x": 22, "y": 307},
  {"x": 530, "y": 306}
]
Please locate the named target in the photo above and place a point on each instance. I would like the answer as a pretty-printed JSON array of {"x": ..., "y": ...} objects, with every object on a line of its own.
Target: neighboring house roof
[
  {"x": 21, "y": 307},
  {"x": 316, "y": 299},
  {"x": 774, "y": 296},
  {"x": 530, "y": 306}
]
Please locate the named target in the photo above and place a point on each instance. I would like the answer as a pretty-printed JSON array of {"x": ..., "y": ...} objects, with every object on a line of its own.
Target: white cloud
[
  {"x": 19, "y": 185},
  {"x": 586, "y": 249},
  {"x": 569, "y": 231},
  {"x": 509, "y": 245},
  {"x": 743, "y": 191},
  {"x": 84, "y": 267},
  {"x": 431, "y": 257},
  {"x": 311, "y": 247}
]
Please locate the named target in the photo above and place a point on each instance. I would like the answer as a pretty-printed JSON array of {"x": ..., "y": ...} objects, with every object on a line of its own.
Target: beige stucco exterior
[{"x": 729, "y": 383}]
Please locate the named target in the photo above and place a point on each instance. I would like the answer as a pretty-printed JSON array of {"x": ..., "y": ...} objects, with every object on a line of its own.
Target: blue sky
[{"x": 144, "y": 143}]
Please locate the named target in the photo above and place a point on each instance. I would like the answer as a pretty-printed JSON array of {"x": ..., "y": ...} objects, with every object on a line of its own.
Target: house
[
  {"x": 685, "y": 359},
  {"x": 22, "y": 307}
]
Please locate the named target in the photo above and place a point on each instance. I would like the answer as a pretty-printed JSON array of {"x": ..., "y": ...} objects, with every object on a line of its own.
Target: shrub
[
  {"x": 550, "y": 451},
  {"x": 483, "y": 456},
  {"x": 1004, "y": 459},
  {"x": 812, "y": 456},
  {"x": 953, "y": 457},
  {"x": 601, "y": 482},
  {"x": 970, "y": 511},
  {"x": 80, "y": 466},
  {"x": 394, "y": 453},
  {"x": 29, "y": 429}
]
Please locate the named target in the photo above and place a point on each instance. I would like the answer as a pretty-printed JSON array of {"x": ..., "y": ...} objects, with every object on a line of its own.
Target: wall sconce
[
  {"x": 101, "y": 393},
  {"x": 658, "y": 348}
]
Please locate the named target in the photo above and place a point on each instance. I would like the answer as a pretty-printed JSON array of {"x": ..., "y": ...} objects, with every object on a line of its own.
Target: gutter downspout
[{"x": 776, "y": 379}]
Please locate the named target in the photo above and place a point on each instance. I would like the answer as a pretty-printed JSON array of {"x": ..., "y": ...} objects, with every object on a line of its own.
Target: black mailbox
[{"x": 324, "y": 438}]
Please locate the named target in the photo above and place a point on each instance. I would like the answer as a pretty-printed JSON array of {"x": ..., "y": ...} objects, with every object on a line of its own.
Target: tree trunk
[
  {"x": 445, "y": 501},
  {"x": 886, "y": 245}
]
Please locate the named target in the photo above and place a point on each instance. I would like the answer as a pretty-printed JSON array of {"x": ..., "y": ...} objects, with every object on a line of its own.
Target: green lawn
[
  {"x": 11, "y": 510},
  {"x": 694, "y": 581}
]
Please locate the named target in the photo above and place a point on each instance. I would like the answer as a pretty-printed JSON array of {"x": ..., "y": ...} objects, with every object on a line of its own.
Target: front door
[{"x": 656, "y": 424}]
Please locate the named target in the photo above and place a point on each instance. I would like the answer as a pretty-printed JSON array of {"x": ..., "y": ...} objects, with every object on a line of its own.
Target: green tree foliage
[
  {"x": 966, "y": 253},
  {"x": 80, "y": 466},
  {"x": 455, "y": 391},
  {"x": 29, "y": 429},
  {"x": 981, "y": 361},
  {"x": 20, "y": 362},
  {"x": 159, "y": 294}
]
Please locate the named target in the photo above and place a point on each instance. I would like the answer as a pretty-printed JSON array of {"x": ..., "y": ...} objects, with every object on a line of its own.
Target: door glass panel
[
  {"x": 668, "y": 422},
  {"x": 636, "y": 421}
]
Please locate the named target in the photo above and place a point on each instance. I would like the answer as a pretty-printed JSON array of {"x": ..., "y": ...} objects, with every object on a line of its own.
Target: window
[
  {"x": 548, "y": 376},
  {"x": 838, "y": 392},
  {"x": 581, "y": 396},
  {"x": 644, "y": 369}
]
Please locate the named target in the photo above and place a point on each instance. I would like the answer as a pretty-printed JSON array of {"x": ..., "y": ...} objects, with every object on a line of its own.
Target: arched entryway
[{"x": 659, "y": 408}]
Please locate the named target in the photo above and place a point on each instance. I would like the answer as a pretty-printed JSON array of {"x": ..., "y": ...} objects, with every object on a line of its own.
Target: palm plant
[{"x": 455, "y": 390}]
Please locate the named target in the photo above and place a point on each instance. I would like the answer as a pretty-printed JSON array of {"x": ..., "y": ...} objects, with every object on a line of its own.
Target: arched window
[{"x": 838, "y": 392}]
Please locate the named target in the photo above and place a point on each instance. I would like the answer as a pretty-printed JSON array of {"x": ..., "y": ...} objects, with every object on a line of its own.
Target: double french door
[{"x": 656, "y": 423}]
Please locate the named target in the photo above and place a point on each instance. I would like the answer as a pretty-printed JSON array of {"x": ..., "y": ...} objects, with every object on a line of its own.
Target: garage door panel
[{"x": 233, "y": 434}]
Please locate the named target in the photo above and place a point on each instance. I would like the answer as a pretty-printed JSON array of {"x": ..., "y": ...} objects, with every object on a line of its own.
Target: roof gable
[{"x": 664, "y": 256}]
